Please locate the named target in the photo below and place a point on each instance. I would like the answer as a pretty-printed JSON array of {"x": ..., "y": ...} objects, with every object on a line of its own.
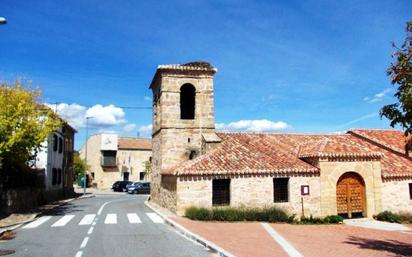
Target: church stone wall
[
  {"x": 395, "y": 196},
  {"x": 251, "y": 191}
]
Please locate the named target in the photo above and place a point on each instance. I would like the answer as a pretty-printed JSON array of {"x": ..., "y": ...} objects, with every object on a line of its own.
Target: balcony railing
[{"x": 108, "y": 161}]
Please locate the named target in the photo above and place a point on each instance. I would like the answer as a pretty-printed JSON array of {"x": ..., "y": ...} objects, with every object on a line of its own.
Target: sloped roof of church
[{"x": 265, "y": 153}]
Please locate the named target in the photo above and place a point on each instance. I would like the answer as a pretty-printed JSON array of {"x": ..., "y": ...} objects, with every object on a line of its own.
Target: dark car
[
  {"x": 139, "y": 188},
  {"x": 120, "y": 186}
]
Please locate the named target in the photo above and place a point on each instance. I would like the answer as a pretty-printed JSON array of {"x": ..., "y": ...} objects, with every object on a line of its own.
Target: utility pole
[{"x": 85, "y": 158}]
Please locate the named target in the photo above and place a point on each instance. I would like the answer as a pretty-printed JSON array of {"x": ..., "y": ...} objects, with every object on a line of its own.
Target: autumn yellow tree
[{"x": 24, "y": 124}]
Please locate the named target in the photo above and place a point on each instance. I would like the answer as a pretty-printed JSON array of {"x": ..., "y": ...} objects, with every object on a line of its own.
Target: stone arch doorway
[{"x": 350, "y": 195}]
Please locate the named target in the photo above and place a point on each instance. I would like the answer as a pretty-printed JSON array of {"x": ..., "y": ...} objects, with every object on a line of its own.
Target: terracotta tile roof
[
  {"x": 394, "y": 164},
  {"x": 390, "y": 138},
  {"x": 257, "y": 153},
  {"x": 335, "y": 147},
  {"x": 198, "y": 66},
  {"x": 135, "y": 143},
  {"x": 244, "y": 153}
]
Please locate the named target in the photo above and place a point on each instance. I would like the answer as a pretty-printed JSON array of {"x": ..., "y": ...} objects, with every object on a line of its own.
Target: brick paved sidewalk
[
  {"x": 243, "y": 239},
  {"x": 343, "y": 240},
  {"x": 251, "y": 240}
]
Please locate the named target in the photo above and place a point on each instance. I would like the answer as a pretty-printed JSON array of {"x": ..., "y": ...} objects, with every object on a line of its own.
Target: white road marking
[
  {"x": 87, "y": 219},
  {"x": 79, "y": 254},
  {"x": 287, "y": 247},
  {"x": 111, "y": 218},
  {"x": 154, "y": 217},
  {"x": 101, "y": 207},
  {"x": 63, "y": 221},
  {"x": 133, "y": 218},
  {"x": 37, "y": 222},
  {"x": 90, "y": 230},
  {"x": 84, "y": 243}
]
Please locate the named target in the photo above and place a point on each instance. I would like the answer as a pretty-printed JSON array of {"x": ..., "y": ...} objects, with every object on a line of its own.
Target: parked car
[
  {"x": 120, "y": 186},
  {"x": 132, "y": 185},
  {"x": 139, "y": 188}
]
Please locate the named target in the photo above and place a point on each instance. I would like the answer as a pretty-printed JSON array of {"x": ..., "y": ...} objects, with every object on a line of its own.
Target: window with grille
[
  {"x": 54, "y": 176},
  {"x": 280, "y": 190},
  {"x": 55, "y": 142},
  {"x": 59, "y": 176},
  {"x": 60, "y": 145},
  {"x": 221, "y": 192}
]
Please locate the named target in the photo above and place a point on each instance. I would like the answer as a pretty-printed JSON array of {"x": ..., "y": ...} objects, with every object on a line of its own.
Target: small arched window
[{"x": 187, "y": 102}]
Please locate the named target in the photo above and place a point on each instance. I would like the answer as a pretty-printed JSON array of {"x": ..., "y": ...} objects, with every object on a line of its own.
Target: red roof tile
[
  {"x": 254, "y": 153},
  {"x": 390, "y": 138},
  {"x": 135, "y": 143}
]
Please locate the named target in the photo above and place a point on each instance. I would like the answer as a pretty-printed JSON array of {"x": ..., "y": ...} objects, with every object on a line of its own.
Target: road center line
[
  {"x": 79, "y": 254},
  {"x": 90, "y": 230},
  {"x": 84, "y": 243},
  {"x": 287, "y": 247}
]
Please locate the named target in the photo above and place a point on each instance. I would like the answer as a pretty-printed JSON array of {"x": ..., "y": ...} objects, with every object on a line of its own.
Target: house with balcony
[{"x": 111, "y": 157}]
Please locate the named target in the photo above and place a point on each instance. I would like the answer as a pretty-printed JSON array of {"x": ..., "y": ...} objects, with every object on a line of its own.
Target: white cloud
[
  {"x": 106, "y": 116},
  {"x": 129, "y": 127},
  {"x": 253, "y": 125},
  {"x": 74, "y": 114},
  {"x": 378, "y": 97},
  {"x": 147, "y": 98},
  {"x": 102, "y": 116},
  {"x": 145, "y": 131}
]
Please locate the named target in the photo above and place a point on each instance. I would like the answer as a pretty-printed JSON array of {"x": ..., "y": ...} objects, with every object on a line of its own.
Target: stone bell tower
[{"x": 183, "y": 111}]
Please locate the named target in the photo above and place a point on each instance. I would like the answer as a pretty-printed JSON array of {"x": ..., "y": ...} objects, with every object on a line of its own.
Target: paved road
[{"x": 106, "y": 225}]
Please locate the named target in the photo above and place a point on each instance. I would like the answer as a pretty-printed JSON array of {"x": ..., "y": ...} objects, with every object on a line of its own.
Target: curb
[{"x": 190, "y": 235}]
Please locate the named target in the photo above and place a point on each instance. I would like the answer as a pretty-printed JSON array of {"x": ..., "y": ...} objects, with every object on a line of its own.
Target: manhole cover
[{"x": 6, "y": 252}]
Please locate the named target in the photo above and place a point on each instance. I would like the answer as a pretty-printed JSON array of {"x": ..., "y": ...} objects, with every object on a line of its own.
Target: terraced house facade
[{"x": 360, "y": 173}]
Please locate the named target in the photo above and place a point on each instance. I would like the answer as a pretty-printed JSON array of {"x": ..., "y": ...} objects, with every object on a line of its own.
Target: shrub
[
  {"x": 405, "y": 217},
  {"x": 272, "y": 214},
  {"x": 196, "y": 213},
  {"x": 311, "y": 220},
  {"x": 388, "y": 216},
  {"x": 333, "y": 219}
]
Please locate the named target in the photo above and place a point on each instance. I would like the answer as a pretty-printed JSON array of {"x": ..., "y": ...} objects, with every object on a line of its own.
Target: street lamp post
[
  {"x": 85, "y": 152},
  {"x": 3, "y": 21}
]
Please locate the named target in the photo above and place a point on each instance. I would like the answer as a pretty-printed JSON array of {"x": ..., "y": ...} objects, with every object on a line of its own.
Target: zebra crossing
[{"x": 89, "y": 219}]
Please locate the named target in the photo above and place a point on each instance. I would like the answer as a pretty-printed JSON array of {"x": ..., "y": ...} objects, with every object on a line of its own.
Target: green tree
[
  {"x": 25, "y": 124},
  {"x": 79, "y": 166},
  {"x": 400, "y": 113}
]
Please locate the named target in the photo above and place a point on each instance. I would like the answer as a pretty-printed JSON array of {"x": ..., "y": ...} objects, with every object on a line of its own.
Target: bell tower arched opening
[{"x": 187, "y": 102}]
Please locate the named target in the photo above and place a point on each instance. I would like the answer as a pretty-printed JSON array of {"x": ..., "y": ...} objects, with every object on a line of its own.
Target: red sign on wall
[{"x": 304, "y": 190}]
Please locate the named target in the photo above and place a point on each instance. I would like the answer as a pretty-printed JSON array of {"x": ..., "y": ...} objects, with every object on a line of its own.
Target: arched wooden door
[{"x": 350, "y": 195}]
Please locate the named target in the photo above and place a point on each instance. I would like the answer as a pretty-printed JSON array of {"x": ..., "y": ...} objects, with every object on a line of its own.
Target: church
[{"x": 357, "y": 174}]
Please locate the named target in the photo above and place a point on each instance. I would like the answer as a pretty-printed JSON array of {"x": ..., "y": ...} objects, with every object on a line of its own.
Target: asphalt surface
[{"x": 105, "y": 225}]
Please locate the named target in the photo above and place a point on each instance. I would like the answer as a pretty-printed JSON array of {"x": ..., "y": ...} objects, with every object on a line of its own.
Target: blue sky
[{"x": 304, "y": 66}]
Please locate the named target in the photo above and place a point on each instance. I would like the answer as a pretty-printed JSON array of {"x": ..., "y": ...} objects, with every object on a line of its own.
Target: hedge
[{"x": 270, "y": 214}]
